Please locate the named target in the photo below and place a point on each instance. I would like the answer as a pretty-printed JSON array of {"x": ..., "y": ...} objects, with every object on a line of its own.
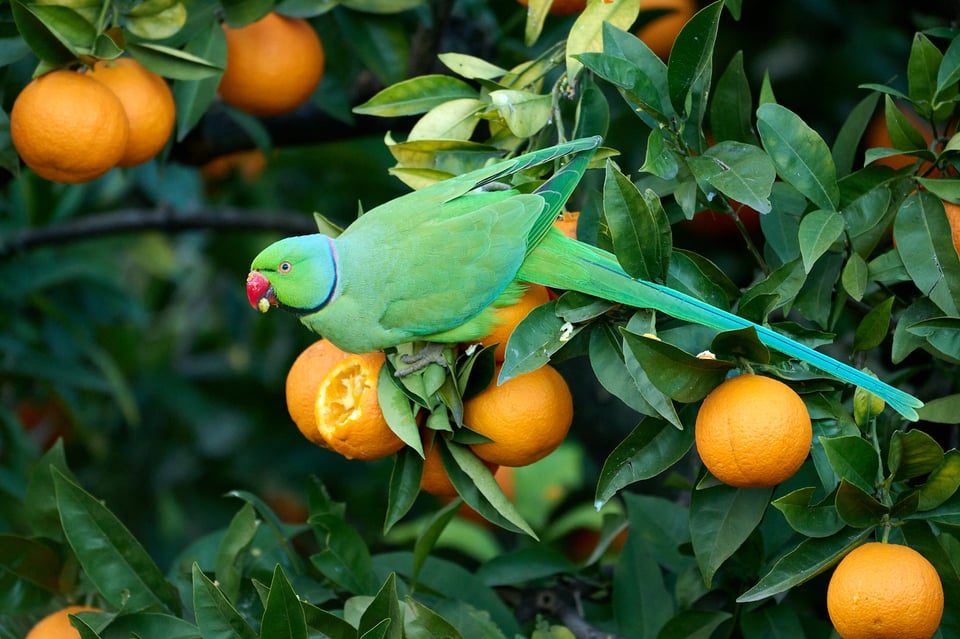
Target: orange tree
[{"x": 179, "y": 499}]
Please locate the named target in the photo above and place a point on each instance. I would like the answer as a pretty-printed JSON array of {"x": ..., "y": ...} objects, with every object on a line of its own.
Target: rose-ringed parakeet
[{"x": 434, "y": 264}]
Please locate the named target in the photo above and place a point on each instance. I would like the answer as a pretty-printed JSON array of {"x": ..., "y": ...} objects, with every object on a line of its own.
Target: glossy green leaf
[
  {"x": 694, "y": 624},
  {"x": 327, "y": 623},
  {"x": 778, "y": 289},
  {"x": 800, "y": 155},
  {"x": 731, "y": 108},
  {"x": 606, "y": 360},
  {"x": 664, "y": 526},
  {"x": 194, "y": 97},
  {"x": 150, "y": 624},
  {"x": 56, "y": 34},
  {"x": 173, "y": 63},
  {"x": 943, "y": 333},
  {"x": 903, "y": 132},
  {"x": 742, "y": 172},
  {"x": 657, "y": 399},
  {"x": 905, "y": 342},
  {"x": 385, "y": 606},
  {"x": 111, "y": 556},
  {"x": 524, "y": 112},
  {"x": 942, "y": 410},
  {"x": 922, "y": 69},
  {"x": 819, "y": 230},
  {"x": 650, "y": 449},
  {"x": 857, "y": 508},
  {"x": 471, "y": 67},
  {"x": 427, "y": 540},
  {"x": 846, "y": 145},
  {"x": 912, "y": 454},
  {"x": 215, "y": 615},
  {"x": 809, "y": 519},
  {"x": 40, "y": 499},
  {"x": 638, "y": 226},
  {"x": 421, "y": 621},
  {"x": 404, "y": 485},
  {"x": 742, "y": 342},
  {"x": 593, "y": 110},
  {"x": 854, "y": 459},
  {"x": 233, "y": 547},
  {"x": 283, "y": 615},
  {"x": 679, "y": 375},
  {"x": 942, "y": 483},
  {"x": 641, "y": 602},
  {"x": 948, "y": 73},
  {"x": 697, "y": 276},
  {"x": 721, "y": 519},
  {"x": 586, "y": 34},
  {"x": 453, "y": 120},
  {"x": 416, "y": 95},
  {"x": 240, "y": 13},
  {"x": 397, "y": 410},
  {"x": 874, "y": 327},
  {"x": 810, "y": 558},
  {"x": 659, "y": 159},
  {"x": 344, "y": 557},
  {"x": 689, "y": 73},
  {"x": 538, "y": 336},
  {"x": 924, "y": 245},
  {"x": 158, "y": 26},
  {"x": 524, "y": 565}
]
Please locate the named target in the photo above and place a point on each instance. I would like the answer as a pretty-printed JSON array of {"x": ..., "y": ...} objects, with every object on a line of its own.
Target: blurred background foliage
[{"x": 138, "y": 347}]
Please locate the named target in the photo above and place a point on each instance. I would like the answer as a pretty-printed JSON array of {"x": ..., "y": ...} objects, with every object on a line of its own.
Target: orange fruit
[
  {"x": 659, "y": 33},
  {"x": 566, "y": 223},
  {"x": 563, "y": 7},
  {"x": 509, "y": 316},
  {"x": 303, "y": 385},
  {"x": 953, "y": 216},
  {"x": 147, "y": 101},
  {"x": 68, "y": 127},
  {"x": 885, "y": 591},
  {"x": 56, "y": 625},
  {"x": 273, "y": 65},
  {"x": 435, "y": 479},
  {"x": 248, "y": 165},
  {"x": 349, "y": 419},
  {"x": 753, "y": 431},
  {"x": 527, "y": 417}
]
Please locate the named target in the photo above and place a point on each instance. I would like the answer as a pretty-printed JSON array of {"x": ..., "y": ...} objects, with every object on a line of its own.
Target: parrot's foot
[{"x": 431, "y": 353}]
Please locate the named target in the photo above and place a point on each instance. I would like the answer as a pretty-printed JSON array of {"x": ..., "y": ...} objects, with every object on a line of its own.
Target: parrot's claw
[{"x": 431, "y": 353}]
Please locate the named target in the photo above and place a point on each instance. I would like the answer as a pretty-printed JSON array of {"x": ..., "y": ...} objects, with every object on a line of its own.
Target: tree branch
[{"x": 159, "y": 219}]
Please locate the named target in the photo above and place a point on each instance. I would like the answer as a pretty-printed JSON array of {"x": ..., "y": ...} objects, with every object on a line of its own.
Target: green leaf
[
  {"x": 524, "y": 565},
  {"x": 742, "y": 342},
  {"x": 874, "y": 326},
  {"x": 819, "y": 230},
  {"x": 194, "y": 97},
  {"x": 453, "y": 120},
  {"x": 922, "y": 68},
  {"x": 679, "y": 375},
  {"x": 327, "y": 623},
  {"x": 158, "y": 26},
  {"x": 846, "y": 144},
  {"x": 283, "y": 615},
  {"x": 150, "y": 624},
  {"x": 233, "y": 547},
  {"x": 650, "y": 449},
  {"x": 384, "y": 607},
  {"x": 404, "y": 485},
  {"x": 694, "y": 624},
  {"x": 810, "y": 558},
  {"x": 586, "y": 34},
  {"x": 40, "y": 500},
  {"x": 854, "y": 459},
  {"x": 943, "y": 482},
  {"x": 56, "y": 34},
  {"x": 431, "y": 533},
  {"x": 721, "y": 519},
  {"x": 173, "y": 63},
  {"x": 868, "y": 219},
  {"x": 29, "y": 574},
  {"x": 904, "y": 341},
  {"x": 811, "y": 520},
  {"x": 240, "y": 13},
  {"x": 731, "y": 109},
  {"x": 638, "y": 226},
  {"x": 215, "y": 615},
  {"x": 857, "y": 508},
  {"x": 606, "y": 360},
  {"x": 420, "y": 621},
  {"x": 416, "y": 95},
  {"x": 534, "y": 340},
  {"x": 110, "y": 555},
  {"x": 344, "y": 557},
  {"x": 948, "y": 73},
  {"x": 854, "y": 277},
  {"x": 942, "y": 410},
  {"x": 380, "y": 42},
  {"x": 524, "y": 112},
  {"x": 912, "y": 454},
  {"x": 397, "y": 410},
  {"x": 740, "y": 171},
  {"x": 659, "y": 160},
  {"x": 689, "y": 74},
  {"x": 642, "y": 604},
  {"x": 657, "y": 399},
  {"x": 800, "y": 155},
  {"x": 943, "y": 333},
  {"x": 470, "y": 67},
  {"x": 593, "y": 110},
  {"x": 924, "y": 245}
]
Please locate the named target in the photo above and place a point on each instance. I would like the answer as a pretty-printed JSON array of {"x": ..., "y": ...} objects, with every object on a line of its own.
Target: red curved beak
[{"x": 260, "y": 292}]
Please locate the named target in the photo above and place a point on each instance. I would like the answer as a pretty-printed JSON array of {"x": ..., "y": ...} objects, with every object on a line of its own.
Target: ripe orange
[
  {"x": 273, "y": 65},
  {"x": 147, "y": 101},
  {"x": 435, "y": 479},
  {"x": 509, "y": 316},
  {"x": 563, "y": 7},
  {"x": 659, "y": 33},
  {"x": 566, "y": 223},
  {"x": 753, "y": 431},
  {"x": 527, "y": 417},
  {"x": 953, "y": 216},
  {"x": 249, "y": 165},
  {"x": 348, "y": 414},
  {"x": 56, "y": 625},
  {"x": 885, "y": 591},
  {"x": 303, "y": 385},
  {"x": 68, "y": 127}
]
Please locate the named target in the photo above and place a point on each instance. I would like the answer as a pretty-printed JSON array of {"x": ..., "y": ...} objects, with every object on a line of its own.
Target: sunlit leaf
[{"x": 416, "y": 95}]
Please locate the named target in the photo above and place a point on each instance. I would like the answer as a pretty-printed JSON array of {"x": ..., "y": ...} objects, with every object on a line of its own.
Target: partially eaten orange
[{"x": 349, "y": 418}]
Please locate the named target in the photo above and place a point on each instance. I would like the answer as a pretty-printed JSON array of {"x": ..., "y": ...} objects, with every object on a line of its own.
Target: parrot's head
[{"x": 297, "y": 274}]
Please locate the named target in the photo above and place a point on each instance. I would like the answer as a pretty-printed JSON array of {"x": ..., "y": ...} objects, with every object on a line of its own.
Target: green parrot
[{"x": 434, "y": 264}]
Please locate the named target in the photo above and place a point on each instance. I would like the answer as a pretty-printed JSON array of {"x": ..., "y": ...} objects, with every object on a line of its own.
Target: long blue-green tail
[{"x": 560, "y": 262}]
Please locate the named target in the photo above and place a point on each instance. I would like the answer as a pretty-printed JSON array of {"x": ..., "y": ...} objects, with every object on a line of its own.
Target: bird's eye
[{"x": 285, "y": 267}]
